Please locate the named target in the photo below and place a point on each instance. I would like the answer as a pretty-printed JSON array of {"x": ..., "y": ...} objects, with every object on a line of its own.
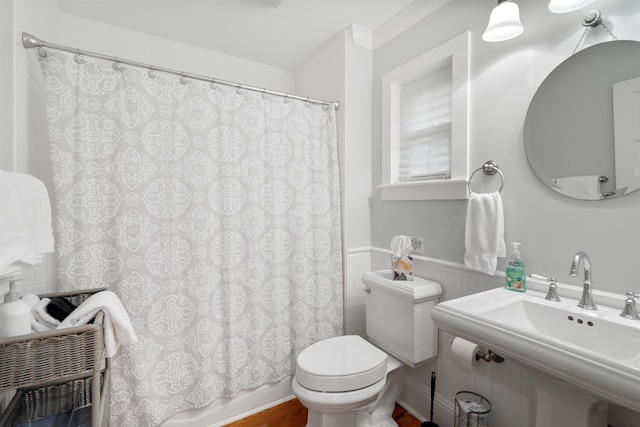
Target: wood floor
[{"x": 293, "y": 414}]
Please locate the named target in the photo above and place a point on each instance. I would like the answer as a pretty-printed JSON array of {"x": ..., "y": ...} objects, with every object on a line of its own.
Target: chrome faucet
[{"x": 586, "y": 301}]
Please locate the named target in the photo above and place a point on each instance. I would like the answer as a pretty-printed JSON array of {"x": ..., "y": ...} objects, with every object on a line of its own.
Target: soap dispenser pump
[
  {"x": 15, "y": 314},
  {"x": 514, "y": 271}
]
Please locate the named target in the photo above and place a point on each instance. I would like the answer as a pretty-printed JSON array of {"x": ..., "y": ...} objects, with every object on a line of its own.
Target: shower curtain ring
[
  {"x": 79, "y": 58},
  {"x": 152, "y": 72},
  {"x": 117, "y": 66},
  {"x": 183, "y": 79}
]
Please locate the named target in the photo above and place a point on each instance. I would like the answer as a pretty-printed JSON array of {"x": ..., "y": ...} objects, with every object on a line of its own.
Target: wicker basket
[
  {"x": 70, "y": 403},
  {"x": 51, "y": 362}
]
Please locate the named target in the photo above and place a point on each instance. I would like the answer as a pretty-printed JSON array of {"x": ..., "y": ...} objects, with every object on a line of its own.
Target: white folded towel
[
  {"x": 41, "y": 314},
  {"x": 25, "y": 220},
  {"x": 484, "y": 232},
  {"x": 31, "y": 300},
  {"x": 36, "y": 326},
  {"x": 117, "y": 326}
]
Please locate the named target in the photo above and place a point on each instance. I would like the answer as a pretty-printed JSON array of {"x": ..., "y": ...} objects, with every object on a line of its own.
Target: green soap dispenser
[{"x": 514, "y": 271}]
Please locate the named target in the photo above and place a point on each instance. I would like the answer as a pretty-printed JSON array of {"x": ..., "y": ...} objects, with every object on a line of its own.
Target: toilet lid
[{"x": 340, "y": 364}]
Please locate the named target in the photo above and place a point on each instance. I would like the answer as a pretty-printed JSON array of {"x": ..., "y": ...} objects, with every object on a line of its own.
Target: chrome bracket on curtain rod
[{"x": 29, "y": 41}]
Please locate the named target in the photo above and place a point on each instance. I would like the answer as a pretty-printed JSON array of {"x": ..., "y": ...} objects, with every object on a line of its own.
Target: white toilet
[{"x": 347, "y": 381}]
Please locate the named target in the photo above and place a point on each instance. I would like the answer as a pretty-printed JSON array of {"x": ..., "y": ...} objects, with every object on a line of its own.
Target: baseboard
[
  {"x": 416, "y": 400},
  {"x": 254, "y": 411}
]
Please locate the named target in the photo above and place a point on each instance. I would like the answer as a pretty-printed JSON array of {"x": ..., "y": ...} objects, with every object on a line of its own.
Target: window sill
[{"x": 432, "y": 190}]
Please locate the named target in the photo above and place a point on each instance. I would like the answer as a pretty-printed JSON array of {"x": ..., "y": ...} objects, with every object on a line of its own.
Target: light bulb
[
  {"x": 564, "y": 6},
  {"x": 504, "y": 22}
]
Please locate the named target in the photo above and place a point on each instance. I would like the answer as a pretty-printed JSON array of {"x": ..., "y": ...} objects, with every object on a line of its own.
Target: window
[
  {"x": 424, "y": 126},
  {"x": 424, "y": 143}
]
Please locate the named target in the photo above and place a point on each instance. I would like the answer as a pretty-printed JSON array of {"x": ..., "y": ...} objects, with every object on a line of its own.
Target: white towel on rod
[
  {"x": 25, "y": 220},
  {"x": 116, "y": 324},
  {"x": 484, "y": 232}
]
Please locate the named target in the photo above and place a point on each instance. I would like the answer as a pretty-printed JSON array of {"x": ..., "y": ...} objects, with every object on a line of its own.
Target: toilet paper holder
[{"x": 489, "y": 356}]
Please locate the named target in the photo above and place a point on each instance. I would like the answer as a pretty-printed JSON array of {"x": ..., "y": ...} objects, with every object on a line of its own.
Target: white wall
[
  {"x": 504, "y": 78},
  {"x": 7, "y": 79},
  {"x": 341, "y": 71},
  {"x": 357, "y": 183}
]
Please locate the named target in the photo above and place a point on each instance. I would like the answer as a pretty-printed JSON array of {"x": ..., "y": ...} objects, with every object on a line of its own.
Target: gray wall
[{"x": 504, "y": 78}]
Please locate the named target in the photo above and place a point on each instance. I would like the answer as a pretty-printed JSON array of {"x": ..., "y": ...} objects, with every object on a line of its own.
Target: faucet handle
[
  {"x": 552, "y": 294},
  {"x": 631, "y": 295},
  {"x": 630, "y": 311}
]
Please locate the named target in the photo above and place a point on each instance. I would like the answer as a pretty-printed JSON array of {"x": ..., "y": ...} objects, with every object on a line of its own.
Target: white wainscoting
[{"x": 358, "y": 263}]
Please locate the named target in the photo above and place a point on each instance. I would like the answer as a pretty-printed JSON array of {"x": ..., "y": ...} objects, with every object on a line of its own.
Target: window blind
[{"x": 424, "y": 148}]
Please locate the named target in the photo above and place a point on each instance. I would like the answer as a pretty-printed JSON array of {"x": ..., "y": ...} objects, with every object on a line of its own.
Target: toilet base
[
  {"x": 376, "y": 413},
  {"x": 346, "y": 419},
  {"x": 379, "y": 413},
  {"x": 331, "y": 419}
]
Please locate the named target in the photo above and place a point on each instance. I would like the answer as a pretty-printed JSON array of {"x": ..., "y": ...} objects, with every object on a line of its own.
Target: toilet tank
[{"x": 399, "y": 316}]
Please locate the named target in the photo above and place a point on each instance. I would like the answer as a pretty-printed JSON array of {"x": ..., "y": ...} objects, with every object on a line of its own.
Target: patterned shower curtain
[{"x": 213, "y": 213}]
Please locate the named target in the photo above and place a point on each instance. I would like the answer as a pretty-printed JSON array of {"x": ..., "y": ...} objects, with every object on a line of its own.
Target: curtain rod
[{"x": 31, "y": 42}]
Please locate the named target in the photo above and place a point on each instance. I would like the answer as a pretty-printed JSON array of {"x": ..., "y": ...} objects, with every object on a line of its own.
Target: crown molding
[
  {"x": 361, "y": 36},
  {"x": 411, "y": 15}
]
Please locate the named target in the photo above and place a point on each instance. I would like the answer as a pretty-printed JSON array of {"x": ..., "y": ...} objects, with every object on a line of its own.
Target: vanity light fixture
[
  {"x": 564, "y": 6},
  {"x": 504, "y": 22}
]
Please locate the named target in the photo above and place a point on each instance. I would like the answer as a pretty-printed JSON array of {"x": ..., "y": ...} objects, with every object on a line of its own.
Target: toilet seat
[
  {"x": 337, "y": 402},
  {"x": 340, "y": 364}
]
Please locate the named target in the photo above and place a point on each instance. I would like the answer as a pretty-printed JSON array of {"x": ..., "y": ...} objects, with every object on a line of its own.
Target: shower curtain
[{"x": 212, "y": 212}]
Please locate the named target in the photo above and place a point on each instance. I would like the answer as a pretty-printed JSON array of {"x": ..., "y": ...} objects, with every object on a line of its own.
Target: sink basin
[{"x": 595, "y": 351}]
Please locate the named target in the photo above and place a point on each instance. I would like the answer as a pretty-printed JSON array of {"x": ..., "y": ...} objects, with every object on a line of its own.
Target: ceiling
[{"x": 281, "y": 33}]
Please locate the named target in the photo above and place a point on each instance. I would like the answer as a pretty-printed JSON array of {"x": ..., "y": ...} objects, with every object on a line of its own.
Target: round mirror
[{"x": 582, "y": 130}]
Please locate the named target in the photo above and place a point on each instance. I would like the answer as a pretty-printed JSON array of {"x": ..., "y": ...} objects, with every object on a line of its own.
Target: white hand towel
[
  {"x": 32, "y": 300},
  {"x": 484, "y": 232},
  {"x": 117, "y": 326},
  {"x": 25, "y": 220},
  {"x": 41, "y": 314}
]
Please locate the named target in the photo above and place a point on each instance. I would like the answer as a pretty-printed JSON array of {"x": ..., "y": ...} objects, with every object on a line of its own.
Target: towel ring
[{"x": 489, "y": 168}]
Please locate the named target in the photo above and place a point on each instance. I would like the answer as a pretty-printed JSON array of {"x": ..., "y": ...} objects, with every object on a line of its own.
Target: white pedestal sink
[
  {"x": 581, "y": 357},
  {"x": 559, "y": 404}
]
